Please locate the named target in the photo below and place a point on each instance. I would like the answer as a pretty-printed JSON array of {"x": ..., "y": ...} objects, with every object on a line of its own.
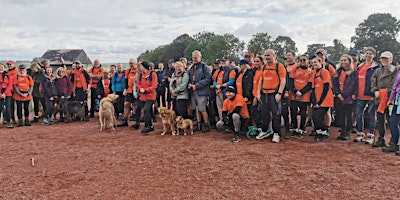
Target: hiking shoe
[
  {"x": 397, "y": 153},
  {"x": 276, "y": 138},
  {"x": 45, "y": 121},
  {"x": 197, "y": 127},
  {"x": 370, "y": 138},
  {"x": 354, "y": 130},
  {"x": 317, "y": 137},
  {"x": 391, "y": 148},
  {"x": 380, "y": 143},
  {"x": 135, "y": 126},
  {"x": 147, "y": 129},
  {"x": 324, "y": 138},
  {"x": 205, "y": 128},
  {"x": 263, "y": 135},
  {"x": 35, "y": 119},
  {"x": 290, "y": 134},
  {"x": 124, "y": 122},
  {"x": 27, "y": 123},
  {"x": 236, "y": 139},
  {"x": 360, "y": 137},
  {"x": 20, "y": 123},
  {"x": 50, "y": 120},
  {"x": 299, "y": 134},
  {"x": 9, "y": 125}
]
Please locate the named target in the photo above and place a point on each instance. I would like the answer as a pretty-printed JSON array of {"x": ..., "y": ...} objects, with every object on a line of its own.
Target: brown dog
[
  {"x": 185, "y": 124},
  {"x": 107, "y": 112},
  {"x": 168, "y": 120}
]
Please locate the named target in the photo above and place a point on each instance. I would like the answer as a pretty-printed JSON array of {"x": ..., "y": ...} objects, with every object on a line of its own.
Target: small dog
[
  {"x": 185, "y": 124},
  {"x": 107, "y": 112},
  {"x": 77, "y": 110},
  {"x": 168, "y": 120}
]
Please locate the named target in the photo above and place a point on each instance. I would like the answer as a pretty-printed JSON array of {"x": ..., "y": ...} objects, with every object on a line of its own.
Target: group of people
[{"x": 260, "y": 92}]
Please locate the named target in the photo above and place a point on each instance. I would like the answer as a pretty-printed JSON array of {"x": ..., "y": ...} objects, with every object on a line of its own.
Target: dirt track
[{"x": 76, "y": 161}]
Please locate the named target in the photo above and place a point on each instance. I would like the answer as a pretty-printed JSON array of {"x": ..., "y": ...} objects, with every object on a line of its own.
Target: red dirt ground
[{"x": 76, "y": 161}]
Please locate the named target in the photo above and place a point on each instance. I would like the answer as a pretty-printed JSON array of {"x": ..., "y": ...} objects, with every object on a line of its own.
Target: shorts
[
  {"x": 129, "y": 98},
  {"x": 199, "y": 102}
]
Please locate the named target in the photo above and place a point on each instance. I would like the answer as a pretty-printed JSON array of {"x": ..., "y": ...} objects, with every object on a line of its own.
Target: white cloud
[{"x": 115, "y": 30}]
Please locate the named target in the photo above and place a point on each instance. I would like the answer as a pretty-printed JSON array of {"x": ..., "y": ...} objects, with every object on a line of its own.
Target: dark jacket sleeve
[
  {"x": 204, "y": 83},
  {"x": 349, "y": 89},
  {"x": 324, "y": 93},
  {"x": 248, "y": 85},
  {"x": 100, "y": 88}
]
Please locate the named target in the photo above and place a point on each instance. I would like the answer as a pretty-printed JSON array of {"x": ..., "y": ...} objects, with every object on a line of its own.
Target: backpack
[
  {"x": 277, "y": 72},
  {"x": 252, "y": 132}
]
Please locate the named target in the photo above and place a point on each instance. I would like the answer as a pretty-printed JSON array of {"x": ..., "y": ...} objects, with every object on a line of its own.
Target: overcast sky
[{"x": 114, "y": 31}]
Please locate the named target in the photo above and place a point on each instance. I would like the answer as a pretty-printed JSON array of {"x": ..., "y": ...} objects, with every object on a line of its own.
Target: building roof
[{"x": 69, "y": 55}]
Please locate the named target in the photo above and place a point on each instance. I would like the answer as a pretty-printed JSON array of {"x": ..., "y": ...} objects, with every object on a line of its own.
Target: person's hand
[
  {"x": 258, "y": 97},
  {"x": 218, "y": 86},
  {"x": 278, "y": 97},
  {"x": 298, "y": 94},
  {"x": 194, "y": 87},
  {"x": 255, "y": 101},
  {"x": 62, "y": 97},
  {"x": 99, "y": 96},
  {"x": 354, "y": 97},
  {"x": 246, "y": 99},
  {"x": 377, "y": 94},
  {"x": 124, "y": 93},
  {"x": 189, "y": 86},
  {"x": 174, "y": 94},
  {"x": 62, "y": 60},
  {"x": 68, "y": 97},
  {"x": 389, "y": 103},
  {"x": 141, "y": 90},
  {"x": 51, "y": 98},
  {"x": 316, "y": 106},
  {"x": 286, "y": 95}
]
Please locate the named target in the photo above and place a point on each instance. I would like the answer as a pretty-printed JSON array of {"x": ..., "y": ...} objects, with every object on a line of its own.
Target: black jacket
[{"x": 247, "y": 84}]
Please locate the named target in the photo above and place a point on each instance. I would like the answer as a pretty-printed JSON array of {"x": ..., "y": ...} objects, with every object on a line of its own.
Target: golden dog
[
  {"x": 185, "y": 124},
  {"x": 168, "y": 120},
  {"x": 107, "y": 112}
]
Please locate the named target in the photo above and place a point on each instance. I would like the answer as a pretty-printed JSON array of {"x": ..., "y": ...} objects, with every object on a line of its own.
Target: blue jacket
[
  {"x": 118, "y": 84},
  {"x": 202, "y": 79}
]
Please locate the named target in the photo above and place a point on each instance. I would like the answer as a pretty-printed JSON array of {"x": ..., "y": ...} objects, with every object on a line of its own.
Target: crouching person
[
  {"x": 234, "y": 113},
  {"x": 23, "y": 86}
]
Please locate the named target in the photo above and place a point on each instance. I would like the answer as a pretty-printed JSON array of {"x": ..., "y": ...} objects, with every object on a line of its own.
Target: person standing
[
  {"x": 23, "y": 86},
  {"x": 130, "y": 92},
  {"x": 290, "y": 65},
  {"x": 166, "y": 79},
  {"x": 199, "y": 86},
  {"x": 118, "y": 86},
  {"x": 5, "y": 87},
  {"x": 244, "y": 84},
  {"x": 365, "y": 96},
  {"x": 257, "y": 71},
  {"x": 95, "y": 74},
  {"x": 300, "y": 81},
  {"x": 80, "y": 79},
  {"x": 64, "y": 88},
  {"x": 179, "y": 90},
  {"x": 50, "y": 92},
  {"x": 269, "y": 93},
  {"x": 381, "y": 85},
  {"x": 10, "y": 109},
  {"x": 146, "y": 85},
  {"x": 345, "y": 90},
  {"x": 394, "y": 122},
  {"x": 37, "y": 93},
  {"x": 321, "y": 99}
]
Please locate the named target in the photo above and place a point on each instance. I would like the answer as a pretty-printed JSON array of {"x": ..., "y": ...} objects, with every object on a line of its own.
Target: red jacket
[
  {"x": 5, "y": 84},
  {"x": 149, "y": 86}
]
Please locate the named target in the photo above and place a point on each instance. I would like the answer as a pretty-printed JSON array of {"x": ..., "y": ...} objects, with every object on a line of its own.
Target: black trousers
[
  {"x": 381, "y": 126},
  {"x": 93, "y": 97},
  {"x": 269, "y": 107},
  {"x": 81, "y": 96},
  {"x": 25, "y": 104},
  {"x": 181, "y": 107},
  {"x": 36, "y": 101},
  {"x": 10, "y": 109},
  {"x": 148, "y": 109},
  {"x": 285, "y": 112},
  {"x": 297, "y": 107},
  {"x": 318, "y": 118},
  {"x": 119, "y": 106},
  {"x": 344, "y": 113}
]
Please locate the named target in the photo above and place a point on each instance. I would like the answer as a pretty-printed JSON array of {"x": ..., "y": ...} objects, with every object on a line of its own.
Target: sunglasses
[
  {"x": 303, "y": 60},
  {"x": 257, "y": 61}
]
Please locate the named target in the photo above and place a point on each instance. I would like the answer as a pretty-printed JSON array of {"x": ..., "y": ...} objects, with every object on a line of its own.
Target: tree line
[{"x": 379, "y": 30}]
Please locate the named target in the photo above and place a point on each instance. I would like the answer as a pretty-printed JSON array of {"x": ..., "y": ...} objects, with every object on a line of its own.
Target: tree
[
  {"x": 282, "y": 45},
  {"x": 379, "y": 30},
  {"x": 312, "y": 48},
  {"x": 336, "y": 51},
  {"x": 260, "y": 42}
]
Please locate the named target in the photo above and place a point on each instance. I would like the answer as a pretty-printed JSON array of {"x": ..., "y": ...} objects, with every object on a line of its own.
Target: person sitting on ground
[{"x": 234, "y": 114}]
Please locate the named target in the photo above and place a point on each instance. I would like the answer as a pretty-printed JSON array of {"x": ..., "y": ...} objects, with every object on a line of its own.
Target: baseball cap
[
  {"x": 10, "y": 62},
  {"x": 78, "y": 62},
  {"x": 231, "y": 89},
  {"x": 217, "y": 61},
  {"x": 387, "y": 54},
  {"x": 224, "y": 58},
  {"x": 21, "y": 67},
  {"x": 249, "y": 54},
  {"x": 243, "y": 61},
  {"x": 322, "y": 51},
  {"x": 354, "y": 52}
]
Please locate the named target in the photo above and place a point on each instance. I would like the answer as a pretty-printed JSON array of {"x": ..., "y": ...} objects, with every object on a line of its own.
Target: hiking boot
[
  {"x": 290, "y": 134},
  {"x": 35, "y": 119},
  {"x": 197, "y": 127},
  {"x": 299, "y": 134},
  {"x": 124, "y": 122},
  {"x": 276, "y": 138},
  {"x": 147, "y": 129},
  {"x": 27, "y": 123},
  {"x": 380, "y": 143},
  {"x": 324, "y": 136},
  {"x": 20, "y": 123},
  {"x": 135, "y": 126},
  {"x": 344, "y": 135},
  {"x": 205, "y": 128},
  {"x": 354, "y": 130},
  {"x": 313, "y": 133},
  {"x": 391, "y": 148},
  {"x": 9, "y": 125},
  {"x": 45, "y": 121},
  {"x": 236, "y": 139},
  {"x": 263, "y": 135},
  {"x": 370, "y": 138},
  {"x": 360, "y": 137}
]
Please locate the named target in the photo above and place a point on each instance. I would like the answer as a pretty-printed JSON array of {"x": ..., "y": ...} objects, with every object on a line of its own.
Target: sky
[{"x": 114, "y": 31}]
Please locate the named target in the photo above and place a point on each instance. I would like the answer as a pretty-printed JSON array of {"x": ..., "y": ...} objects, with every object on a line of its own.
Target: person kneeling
[{"x": 234, "y": 113}]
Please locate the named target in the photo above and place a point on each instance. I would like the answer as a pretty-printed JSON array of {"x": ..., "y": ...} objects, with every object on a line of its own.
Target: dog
[
  {"x": 168, "y": 120},
  {"x": 185, "y": 124},
  {"x": 76, "y": 110},
  {"x": 107, "y": 112}
]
